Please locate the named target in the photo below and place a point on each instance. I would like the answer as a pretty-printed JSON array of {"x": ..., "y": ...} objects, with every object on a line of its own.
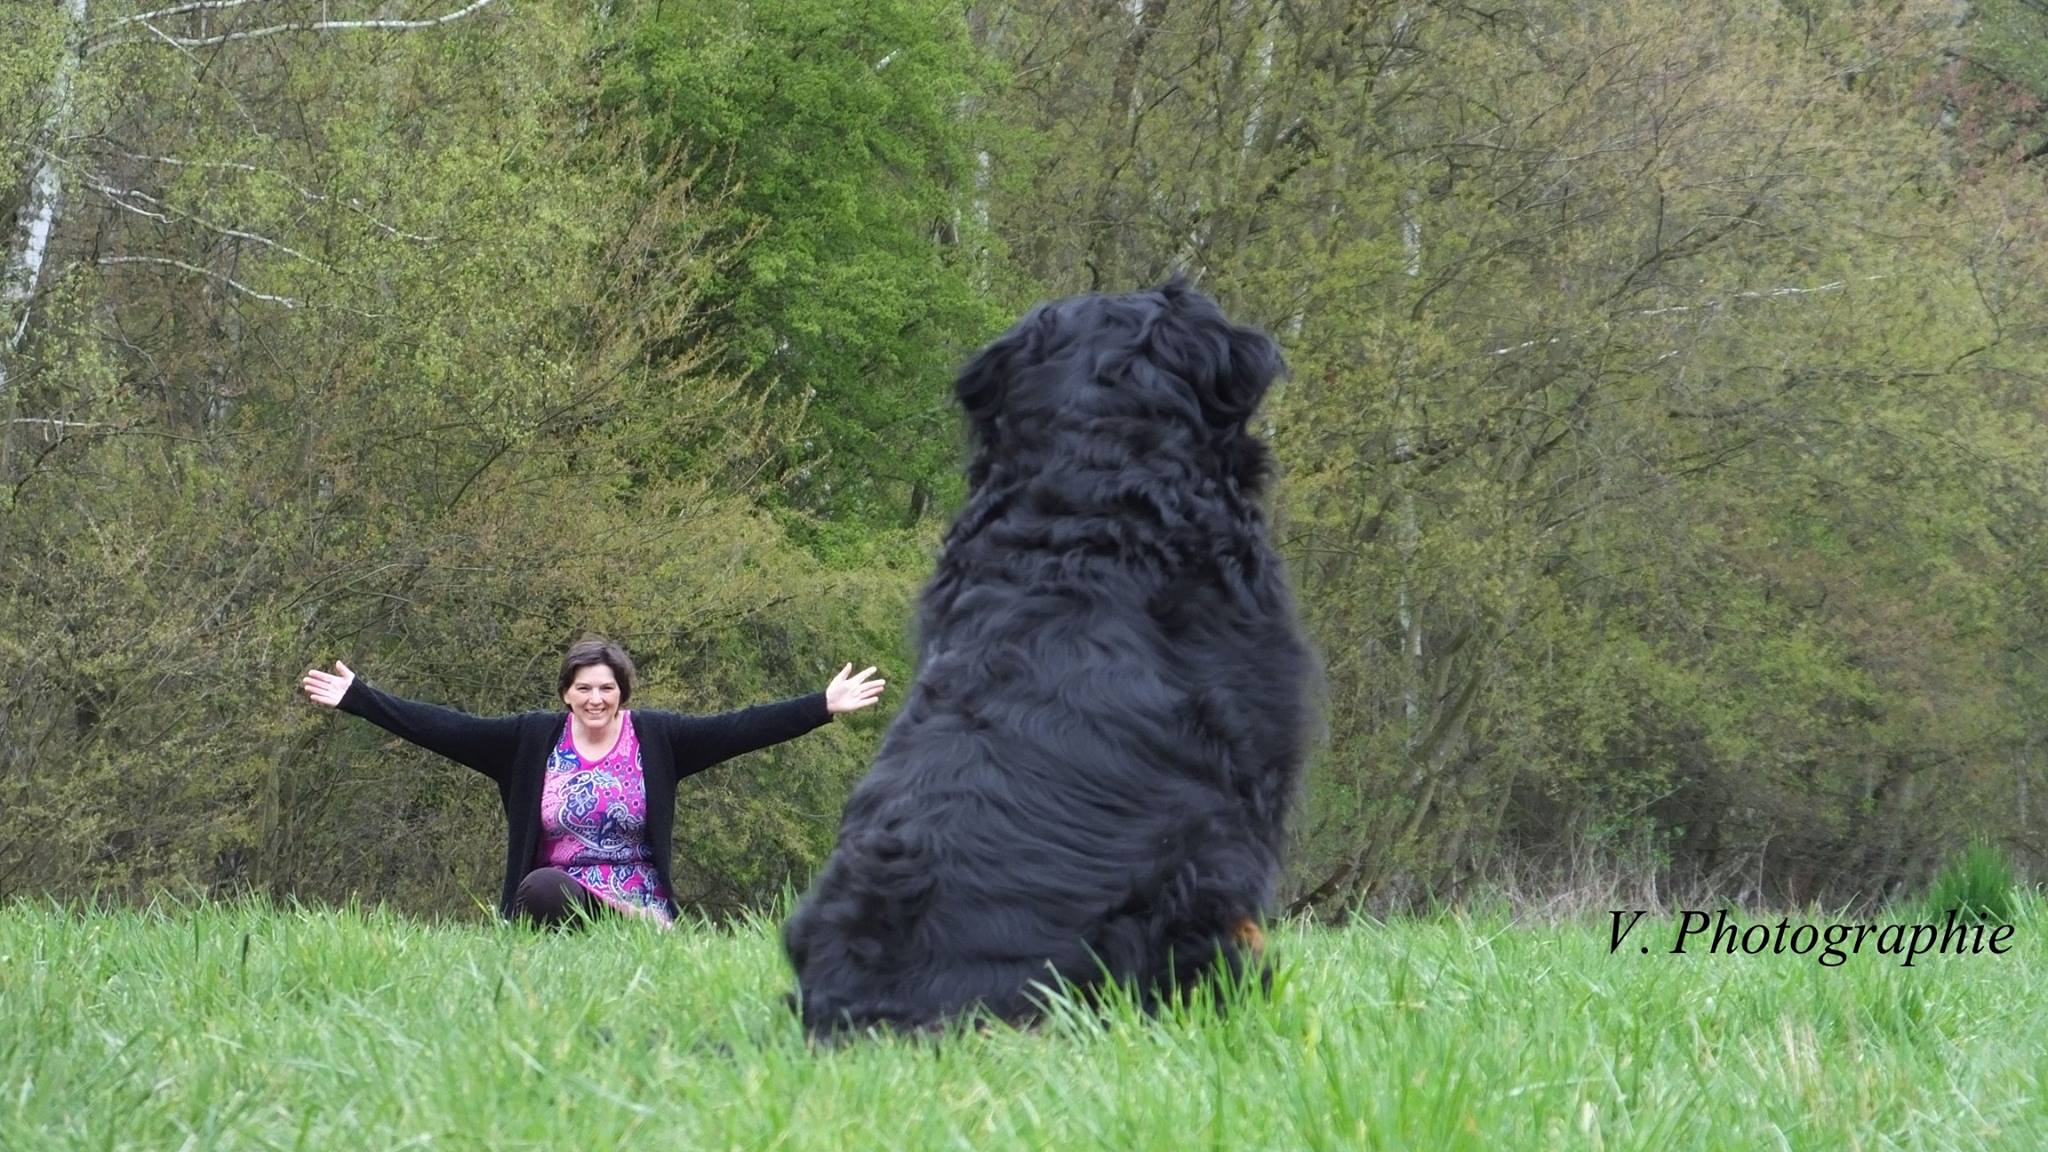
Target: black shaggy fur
[{"x": 1092, "y": 773}]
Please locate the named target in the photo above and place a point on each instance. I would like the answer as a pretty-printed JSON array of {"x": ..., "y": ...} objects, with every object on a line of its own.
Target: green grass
[
  {"x": 1978, "y": 884},
  {"x": 255, "y": 1027}
]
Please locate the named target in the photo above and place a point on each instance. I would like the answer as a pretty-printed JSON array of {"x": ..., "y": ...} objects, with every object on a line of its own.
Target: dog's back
[{"x": 1092, "y": 772}]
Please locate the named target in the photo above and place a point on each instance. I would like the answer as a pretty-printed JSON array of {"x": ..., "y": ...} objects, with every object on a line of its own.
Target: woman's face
[{"x": 593, "y": 695}]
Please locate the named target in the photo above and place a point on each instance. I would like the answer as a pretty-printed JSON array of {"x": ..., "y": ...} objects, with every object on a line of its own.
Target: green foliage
[
  {"x": 31, "y": 38},
  {"x": 849, "y": 132},
  {"x": 2001, "y": 100}
]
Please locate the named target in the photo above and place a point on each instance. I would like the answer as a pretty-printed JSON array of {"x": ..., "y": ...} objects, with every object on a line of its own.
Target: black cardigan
[{"x": 513, "y": 751}]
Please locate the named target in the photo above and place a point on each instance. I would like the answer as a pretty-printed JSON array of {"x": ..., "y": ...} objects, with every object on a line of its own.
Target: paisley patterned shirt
[{"x": 593, "y": 823}]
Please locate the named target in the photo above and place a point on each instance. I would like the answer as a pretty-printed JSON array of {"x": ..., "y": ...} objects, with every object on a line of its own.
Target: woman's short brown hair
[{"x": 592, "y": 651}]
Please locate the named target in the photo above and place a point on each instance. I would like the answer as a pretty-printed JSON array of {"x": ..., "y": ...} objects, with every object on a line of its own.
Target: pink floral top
[{"x": 593, "y": 822}]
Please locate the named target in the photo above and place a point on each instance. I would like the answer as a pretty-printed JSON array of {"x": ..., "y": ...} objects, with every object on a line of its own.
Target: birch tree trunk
[
  {"x": 31, "y": 242},
  {"x": 27, "y": 249}
]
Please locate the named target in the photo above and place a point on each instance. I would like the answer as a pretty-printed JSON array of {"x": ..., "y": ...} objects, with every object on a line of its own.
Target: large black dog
[{"x": 1091, "y": 776}]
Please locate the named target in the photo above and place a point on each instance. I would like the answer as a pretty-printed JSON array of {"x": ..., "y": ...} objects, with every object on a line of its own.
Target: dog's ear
[
  {"x": 979, "y": 387},
  {"x": 1229, "y": 366},
  {"x": 1255, "y": 362},
  {"x": 983, "y": 385}
]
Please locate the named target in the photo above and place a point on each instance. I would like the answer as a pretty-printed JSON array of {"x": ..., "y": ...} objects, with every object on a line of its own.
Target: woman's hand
[
  {"x": 327, "y": 690},
  {"x": 848, "y": 693}
]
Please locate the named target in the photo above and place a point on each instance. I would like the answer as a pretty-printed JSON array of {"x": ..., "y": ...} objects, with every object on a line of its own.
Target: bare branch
[
  {"x": 182, "y": 9},
  {"x": 286, "y": 301},
  {"x": 1759, "y": 295},
  {"x": 119, "y": 197},
  {"x": 97, "y": 426},
  {"x": 167, "y": 38},
  {"x": 352, "y": 204},
  {"x": 311, "y": 26},
  {"x": 1703, "y": 306},
  {"x": 46, "y": 422},
  {"x": 1524, "y": 346},
  {"x": 228, "y": 164},
  {"x": 114, "y": 196}
]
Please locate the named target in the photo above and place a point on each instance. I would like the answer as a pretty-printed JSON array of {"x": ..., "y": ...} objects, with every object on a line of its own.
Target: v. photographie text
[{"x": 1832, "y": 944}]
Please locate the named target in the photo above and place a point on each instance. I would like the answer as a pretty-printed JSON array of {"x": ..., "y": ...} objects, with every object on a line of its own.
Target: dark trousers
[{"x": 551, "y": 898}]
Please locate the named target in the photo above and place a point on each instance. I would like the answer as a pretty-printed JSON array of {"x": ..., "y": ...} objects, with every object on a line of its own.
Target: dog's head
[{"x": 1167, "y": 355}]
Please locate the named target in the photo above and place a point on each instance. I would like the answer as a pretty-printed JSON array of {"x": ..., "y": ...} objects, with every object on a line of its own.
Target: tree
[{"x": 852, "y": 133}]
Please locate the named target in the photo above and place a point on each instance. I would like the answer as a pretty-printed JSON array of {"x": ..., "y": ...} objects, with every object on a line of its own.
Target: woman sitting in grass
[{"x": 590, "y": 800}]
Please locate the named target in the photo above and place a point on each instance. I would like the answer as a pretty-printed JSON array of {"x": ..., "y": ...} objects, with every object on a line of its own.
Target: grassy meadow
[{"x": 256, "y": 1027}]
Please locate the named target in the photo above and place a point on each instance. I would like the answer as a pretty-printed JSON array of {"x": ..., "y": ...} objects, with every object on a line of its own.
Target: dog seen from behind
[{"x": 1091, "y": 777}]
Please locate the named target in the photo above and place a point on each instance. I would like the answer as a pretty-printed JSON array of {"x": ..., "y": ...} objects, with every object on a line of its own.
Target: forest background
[{"x": 1662, "y": 459}]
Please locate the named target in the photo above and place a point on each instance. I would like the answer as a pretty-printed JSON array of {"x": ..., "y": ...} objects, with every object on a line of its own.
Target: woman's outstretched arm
[
  {"x": 486, "y": 744},
  {"x": 701, "y": 741}
]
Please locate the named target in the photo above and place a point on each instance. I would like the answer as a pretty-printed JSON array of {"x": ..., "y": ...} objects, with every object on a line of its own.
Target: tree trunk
[
  {"x": 29, "y": 244},
  {"x": 26, "y": 252},
  {"x": 38, "y": 220}
]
